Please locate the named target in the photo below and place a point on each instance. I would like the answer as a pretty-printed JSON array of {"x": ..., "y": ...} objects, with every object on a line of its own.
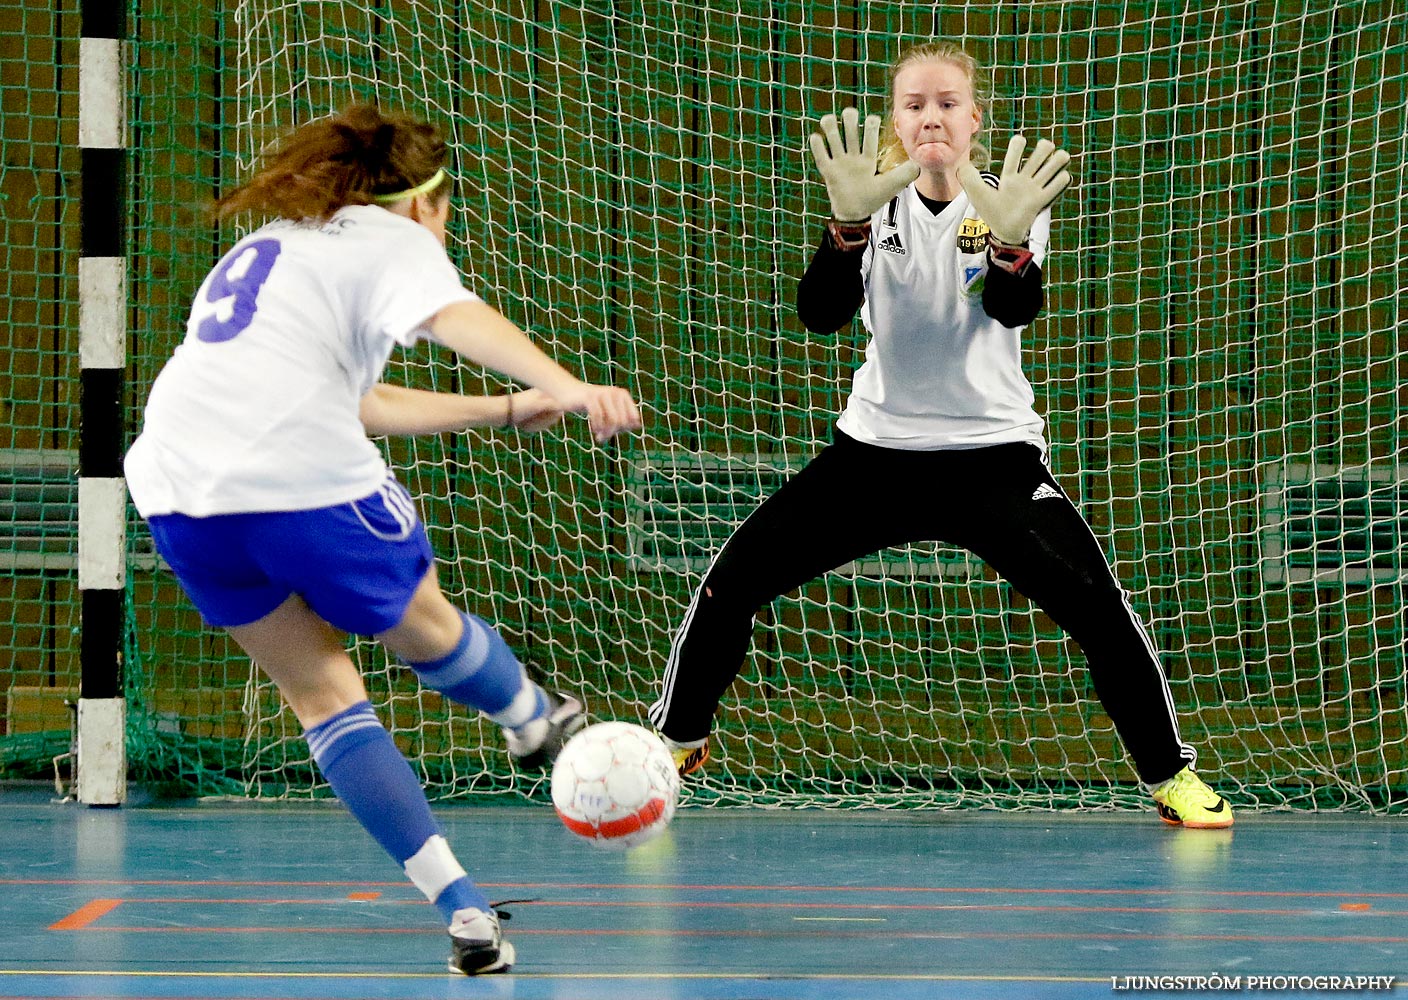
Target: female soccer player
[
  {"x": 279, "y": 516},
  {"x": 939, "y": 438}
]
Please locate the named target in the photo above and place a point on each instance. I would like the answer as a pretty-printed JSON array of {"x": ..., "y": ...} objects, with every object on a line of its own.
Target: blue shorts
[{"x": 356, "y": 564}]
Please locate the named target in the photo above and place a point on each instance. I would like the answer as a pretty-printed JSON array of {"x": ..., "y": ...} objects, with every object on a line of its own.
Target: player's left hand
[
  {"x": 534, "y": 410},
  {"x": 1023, "y": 190},
  {"x": 609, "y": 410}
]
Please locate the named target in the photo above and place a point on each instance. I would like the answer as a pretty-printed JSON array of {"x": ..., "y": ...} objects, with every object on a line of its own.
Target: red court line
[
  {"x": 86, "y": 914},
  {"x": 183, "y": 881},
  {"x": 848, "y": 933},
  {"x": 769, "y": 905},
  {"x": 1000, "y": 890},
  {"x": 946, "y": 890}
]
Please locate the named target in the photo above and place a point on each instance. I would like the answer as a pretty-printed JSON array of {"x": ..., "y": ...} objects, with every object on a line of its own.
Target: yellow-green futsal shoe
[
  {"x": 1184, "y": 800},
  {"x": 689, "y": 757}
]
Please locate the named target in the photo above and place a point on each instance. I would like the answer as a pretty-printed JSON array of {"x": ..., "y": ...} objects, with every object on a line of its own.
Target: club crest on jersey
[
  {"x": 892, "y": 243},
  {"x": 972, "y": 236}
]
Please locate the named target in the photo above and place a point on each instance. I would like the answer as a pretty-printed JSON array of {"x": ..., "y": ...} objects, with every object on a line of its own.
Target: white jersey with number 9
[{"x": 257, "y": 409}]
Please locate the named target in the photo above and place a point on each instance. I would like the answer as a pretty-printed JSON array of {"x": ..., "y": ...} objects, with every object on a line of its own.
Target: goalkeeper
[
  {"x": 939, "y": 439},
  {"x": 279, "y": 516}
]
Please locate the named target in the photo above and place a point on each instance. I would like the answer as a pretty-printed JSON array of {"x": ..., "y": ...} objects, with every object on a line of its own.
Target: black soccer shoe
[
  {"x": 566, "y": 715},
  {"x": 478, "y": 947}
]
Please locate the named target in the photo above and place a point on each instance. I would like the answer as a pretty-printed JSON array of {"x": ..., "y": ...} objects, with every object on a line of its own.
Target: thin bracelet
[{"x": 509, "y": 421}]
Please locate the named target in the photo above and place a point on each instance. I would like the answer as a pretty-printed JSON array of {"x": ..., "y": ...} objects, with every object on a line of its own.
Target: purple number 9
[{"x": 240, "y": 277}]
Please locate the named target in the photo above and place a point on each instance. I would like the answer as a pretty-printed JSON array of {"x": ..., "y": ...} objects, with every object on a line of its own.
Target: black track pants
[{"x": 1000, "y": 503}]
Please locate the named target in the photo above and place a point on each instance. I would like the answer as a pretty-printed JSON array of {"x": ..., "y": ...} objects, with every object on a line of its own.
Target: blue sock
[
  {"x": 373, "y": 780},
  {"x": 482, "y": 672}
]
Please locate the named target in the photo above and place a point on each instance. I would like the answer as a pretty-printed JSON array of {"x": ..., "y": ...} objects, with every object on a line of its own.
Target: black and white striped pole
[{"x": 101, "y": 770}]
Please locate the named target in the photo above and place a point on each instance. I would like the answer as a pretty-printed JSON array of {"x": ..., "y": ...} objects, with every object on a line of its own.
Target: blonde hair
[{"x": 892, "y": 153}]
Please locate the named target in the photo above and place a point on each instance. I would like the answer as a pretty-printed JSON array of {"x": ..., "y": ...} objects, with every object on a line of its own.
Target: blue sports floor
[{"x": 215, "y": 901}]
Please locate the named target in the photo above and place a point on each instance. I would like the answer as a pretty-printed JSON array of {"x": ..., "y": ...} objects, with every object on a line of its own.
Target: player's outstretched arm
[
  {"x": 478, "y": 332},
  {"x": 398, "y": 410}
]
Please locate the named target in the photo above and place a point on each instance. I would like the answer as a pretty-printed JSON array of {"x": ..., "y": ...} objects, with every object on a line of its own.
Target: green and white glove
[
  {"x": 857, "y": 191},
  {"x": 1024, "y": 189}
]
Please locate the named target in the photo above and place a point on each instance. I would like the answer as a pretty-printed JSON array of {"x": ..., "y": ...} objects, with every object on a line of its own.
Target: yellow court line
[{"x": 858, "y": 977}]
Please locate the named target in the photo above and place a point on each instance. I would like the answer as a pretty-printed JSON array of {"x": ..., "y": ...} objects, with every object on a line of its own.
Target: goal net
[{"x": 1218, "y": 364}]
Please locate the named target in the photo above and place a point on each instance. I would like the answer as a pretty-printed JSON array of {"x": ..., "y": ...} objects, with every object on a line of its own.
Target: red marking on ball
[{"x": 611, "y": 829}]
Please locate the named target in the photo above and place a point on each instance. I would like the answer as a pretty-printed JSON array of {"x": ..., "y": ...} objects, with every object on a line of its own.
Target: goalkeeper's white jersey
[
  {"x": 257, "y": 410},
  {"x": 938, "y": 372}
]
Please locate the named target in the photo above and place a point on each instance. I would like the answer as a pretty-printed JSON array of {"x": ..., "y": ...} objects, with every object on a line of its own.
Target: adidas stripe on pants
[{"x": 1000, "y": 503}]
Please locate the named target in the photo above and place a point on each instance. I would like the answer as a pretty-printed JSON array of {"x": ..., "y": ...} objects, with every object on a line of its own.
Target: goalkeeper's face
[{"x": 935, "y": 115}]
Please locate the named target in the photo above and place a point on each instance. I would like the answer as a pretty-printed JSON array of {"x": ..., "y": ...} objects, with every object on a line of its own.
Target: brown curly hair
[{"x": 345, "y": 159}]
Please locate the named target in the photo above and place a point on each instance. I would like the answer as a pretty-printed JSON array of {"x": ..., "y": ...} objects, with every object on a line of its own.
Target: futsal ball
[{"x": 615, "y": 784}]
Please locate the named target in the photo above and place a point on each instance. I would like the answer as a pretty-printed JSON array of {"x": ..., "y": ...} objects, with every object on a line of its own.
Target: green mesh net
[{"x": 1218, "y": 364}]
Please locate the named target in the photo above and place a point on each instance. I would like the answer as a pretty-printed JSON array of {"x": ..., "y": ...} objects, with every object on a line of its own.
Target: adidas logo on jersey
[
  {"x": 1046, "y": 492},
  {"x": 892, "y": 243}
]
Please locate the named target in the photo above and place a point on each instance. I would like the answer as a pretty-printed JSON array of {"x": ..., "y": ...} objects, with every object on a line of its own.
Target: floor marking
[
  {"x": 662, "y": 932},
  {"x": 676, "y": 887},
  {"x": 86, "y": 914},
  {"x": 605, "y": 976},
  {"x": 664, "y": 904},
  {"x": 858, "y": 920}
]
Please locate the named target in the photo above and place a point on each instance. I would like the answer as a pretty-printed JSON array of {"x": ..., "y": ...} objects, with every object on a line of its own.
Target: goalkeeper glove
[
  {"x": 1023, "y": 189},
  {"x": 857, "y": 191}
]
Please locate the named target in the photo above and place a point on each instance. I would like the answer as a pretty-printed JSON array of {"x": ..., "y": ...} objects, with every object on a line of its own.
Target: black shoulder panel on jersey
[{"x": 891, "y": 211}]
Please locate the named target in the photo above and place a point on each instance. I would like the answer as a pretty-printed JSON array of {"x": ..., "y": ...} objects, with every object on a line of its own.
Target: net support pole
[{"x": 101, "y": 751}]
